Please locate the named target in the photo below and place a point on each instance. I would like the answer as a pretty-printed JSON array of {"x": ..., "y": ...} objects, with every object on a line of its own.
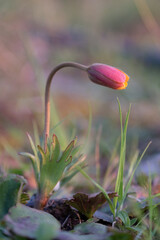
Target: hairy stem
[{"x": 47, "y": 95}]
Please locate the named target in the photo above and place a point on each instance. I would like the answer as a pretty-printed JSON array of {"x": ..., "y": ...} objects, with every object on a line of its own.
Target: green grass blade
[
  {"x": 119, "y": 181},
  {"x": 132, "y": 165},
  {"x": 123, "y": 154},
  {"x": 133, "y": 172},
  {"x": 120, "y": 160},
  {"x": 121, "y": 122},
  {"x": 99, "y": 187},
  {"x": 150, "y": 208}
]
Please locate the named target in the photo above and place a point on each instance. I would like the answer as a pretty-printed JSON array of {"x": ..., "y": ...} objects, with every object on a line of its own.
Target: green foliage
[
  {"x": 123, "y": 215},
  {"x": 152, "y": 210},
  {"x": 127, "y": 222},
  {"x": 121, "y": 188},
  {"x": 119, "y": 181},
  {"x": 96, "y": 231},
  {"x": 128, "y": 184},
  {"x": 51, "y": 166},
  {"x": 10, "y": 190},
  {"x": 54, "y": 163},
  {"x": 31, "y": 223},
  {"x": 90, "y": 228}
]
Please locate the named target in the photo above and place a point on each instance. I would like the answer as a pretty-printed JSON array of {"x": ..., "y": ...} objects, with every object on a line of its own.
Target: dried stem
[{"x": 47, "y": 95}]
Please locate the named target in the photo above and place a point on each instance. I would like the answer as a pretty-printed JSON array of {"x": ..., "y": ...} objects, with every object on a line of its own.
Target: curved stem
[{"x": 47, "y": 95}]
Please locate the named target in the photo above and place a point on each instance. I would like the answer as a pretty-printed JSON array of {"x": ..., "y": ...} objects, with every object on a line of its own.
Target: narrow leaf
[
  {"x": 132, "y": 175},
  {"x": 119, "y": 188},
  {"x": 67, "y": 151},
  {"x": 43, "y": 155},
  {"x": 55, "y": 148},
  {"x": 99, "y": 187},
  {"x": 123, "y": 215},
  {"x": 34, "y": 151},
  {"x": 77, "y": 149},
  {"x": 34, "y": 163}
]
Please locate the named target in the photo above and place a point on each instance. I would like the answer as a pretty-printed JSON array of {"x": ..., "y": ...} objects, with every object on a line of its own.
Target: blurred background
[{"x": 35, "y": 36}]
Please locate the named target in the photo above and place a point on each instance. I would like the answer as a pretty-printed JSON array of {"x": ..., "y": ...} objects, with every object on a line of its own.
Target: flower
[{"x": 107, "y": 76}]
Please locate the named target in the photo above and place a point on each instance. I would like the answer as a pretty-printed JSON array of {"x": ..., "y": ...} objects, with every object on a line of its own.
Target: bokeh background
[{"x": 35, "y": 36}]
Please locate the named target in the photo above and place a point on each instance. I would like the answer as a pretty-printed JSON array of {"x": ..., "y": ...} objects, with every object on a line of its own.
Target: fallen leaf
[{"x": 88, "y": 204}]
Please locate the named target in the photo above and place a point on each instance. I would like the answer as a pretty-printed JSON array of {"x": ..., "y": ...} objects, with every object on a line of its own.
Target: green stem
[{"x": 47, "y": 95}]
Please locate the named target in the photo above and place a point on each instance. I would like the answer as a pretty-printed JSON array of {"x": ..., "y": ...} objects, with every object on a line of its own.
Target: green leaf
[
  {"x": 29, "y": 155},
  {"x": 34, "y": 163},
  {"x": 52, "y": 171},
  {"x": 133, "y": 221},
  {"x": 119, "y": 188},
  {"x": 79, "y": 161},
  {"x": 31, "y": 223},
  {"x": 43, "y": 155},
  {"x": 71, "y": 236},
  {"x": 71, "y": 172},
  {"x": 33, "y": 146},
  {"x": 67, "y": 152},
  {"x": 46, "y": 231},
  {"x": 55, "y": 148},
  {"x": 37, "y": 162},
  {"x": 121, "y": 236},
  {"x": 96, "y": 231},
  {"x": 123, "y": 215},
  {"x": 67, "y": 178},
  {"x": 9, "y": 193},
  {"x": 133, "y": 172},
  {"x": 77, "y": 149},
  {"x": 2, "y": 236},
  {"x": 90, "y": 228}
]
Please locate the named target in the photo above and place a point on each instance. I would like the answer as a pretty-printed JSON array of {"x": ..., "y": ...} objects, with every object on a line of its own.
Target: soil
[{"x": 67, "y": 216}]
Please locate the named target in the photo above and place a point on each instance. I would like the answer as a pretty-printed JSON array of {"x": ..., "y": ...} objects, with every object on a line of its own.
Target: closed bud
[{"x": 107, "y": 76}]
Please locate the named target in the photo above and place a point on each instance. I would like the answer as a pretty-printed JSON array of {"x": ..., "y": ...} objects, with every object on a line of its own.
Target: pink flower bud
[{"x": 107, "y": 76}]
